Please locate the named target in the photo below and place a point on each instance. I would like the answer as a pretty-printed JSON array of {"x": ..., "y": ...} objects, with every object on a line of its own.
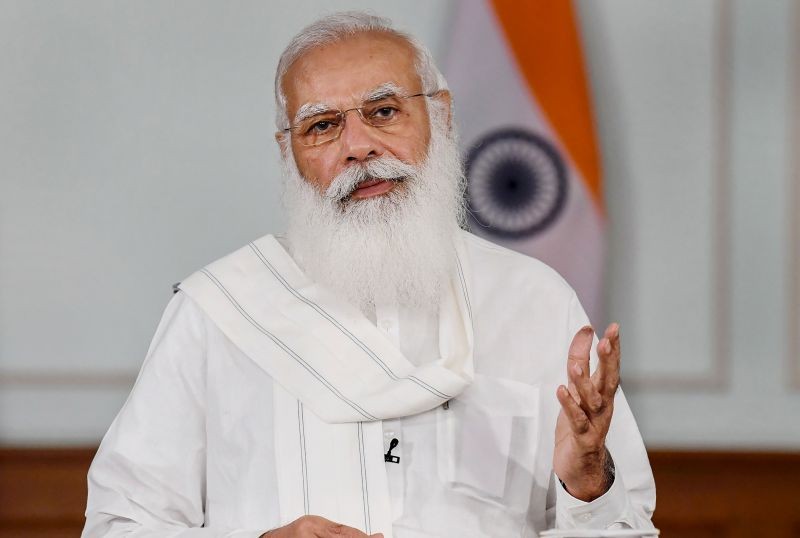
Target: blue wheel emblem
[{"x": 517, "y": 183}]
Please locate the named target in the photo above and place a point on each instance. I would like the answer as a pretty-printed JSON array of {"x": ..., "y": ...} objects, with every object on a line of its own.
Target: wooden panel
[
  {"x": 727, "y": 494},
  {"x": 700, "y": 494},
  {"x": 43, "y": 491}
]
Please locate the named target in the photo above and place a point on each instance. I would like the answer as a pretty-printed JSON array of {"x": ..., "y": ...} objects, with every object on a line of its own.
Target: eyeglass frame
[{"x": 343, "y": 115}]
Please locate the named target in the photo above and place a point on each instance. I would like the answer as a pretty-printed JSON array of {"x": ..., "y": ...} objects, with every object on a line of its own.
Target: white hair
[
  {"x": 339, "y": 26},
  {"x": 396, "y": 247}
]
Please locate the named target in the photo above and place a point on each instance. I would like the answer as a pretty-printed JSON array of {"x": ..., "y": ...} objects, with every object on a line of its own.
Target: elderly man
[{"x": 377, "y": 370}]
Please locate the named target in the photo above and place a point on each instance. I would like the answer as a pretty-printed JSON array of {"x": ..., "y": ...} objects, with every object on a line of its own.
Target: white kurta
[{"x": 193, "y": 452}]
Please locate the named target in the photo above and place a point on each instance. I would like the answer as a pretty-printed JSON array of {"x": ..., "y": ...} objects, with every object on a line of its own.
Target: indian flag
[{"x": 517, "y": 74}]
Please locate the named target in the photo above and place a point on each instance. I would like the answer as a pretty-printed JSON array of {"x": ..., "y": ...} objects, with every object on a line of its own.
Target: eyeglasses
[{"x": 387, "y": 112}]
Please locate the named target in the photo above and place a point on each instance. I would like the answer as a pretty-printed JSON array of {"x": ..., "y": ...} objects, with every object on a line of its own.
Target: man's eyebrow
[
  {"x": 311, "y": 109},
  {"x": 387, "y": 89}
]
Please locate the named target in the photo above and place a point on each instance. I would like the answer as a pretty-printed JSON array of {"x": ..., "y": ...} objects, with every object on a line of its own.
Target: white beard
[{"x": 395, "y": 248}]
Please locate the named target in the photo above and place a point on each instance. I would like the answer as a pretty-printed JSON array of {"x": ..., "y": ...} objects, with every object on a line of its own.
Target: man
[{"x": 376, "y": 371}]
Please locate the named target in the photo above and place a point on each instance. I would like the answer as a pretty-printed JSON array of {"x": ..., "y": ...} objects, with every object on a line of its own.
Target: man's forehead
[{"x": 347, "y": 71}]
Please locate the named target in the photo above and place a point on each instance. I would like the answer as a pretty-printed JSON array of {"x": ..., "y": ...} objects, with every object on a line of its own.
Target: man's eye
[
  {"x": 384, "y": 113},
  {"x": 320, "y": 127}
]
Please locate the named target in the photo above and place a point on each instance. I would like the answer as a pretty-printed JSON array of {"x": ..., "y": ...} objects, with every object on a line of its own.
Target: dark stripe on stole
[
  {"x": 353, "y": 338},
  {"x": 464, "y": 288},
  {"x": 301, "y": 426},
  {"x": 364, "y": 484},
  {"x": 285, "y": 348}
]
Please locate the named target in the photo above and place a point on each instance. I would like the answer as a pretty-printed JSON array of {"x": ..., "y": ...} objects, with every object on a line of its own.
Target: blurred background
[{"x": 136, "y": 145}]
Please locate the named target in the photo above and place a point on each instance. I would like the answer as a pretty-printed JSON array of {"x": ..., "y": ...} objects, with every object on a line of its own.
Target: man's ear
[
  {"x": 446, "y": 100},
  {"x": 283, "y": 141}
]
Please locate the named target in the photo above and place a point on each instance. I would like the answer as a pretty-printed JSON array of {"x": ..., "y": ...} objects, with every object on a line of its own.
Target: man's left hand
[{"x": 587, "y": 404}]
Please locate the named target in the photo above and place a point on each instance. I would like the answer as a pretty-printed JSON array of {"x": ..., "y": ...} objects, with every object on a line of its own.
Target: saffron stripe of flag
[{"x": 522, "y": 103}]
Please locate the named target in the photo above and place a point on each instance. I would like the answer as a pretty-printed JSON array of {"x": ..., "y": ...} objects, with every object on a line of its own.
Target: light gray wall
[
  {"x": 696, "y": 105},
  {"x": 136, "y": 145}
]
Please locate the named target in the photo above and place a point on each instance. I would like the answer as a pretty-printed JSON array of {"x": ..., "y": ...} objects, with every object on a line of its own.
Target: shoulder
[
  {"x": 508, "y": 269},
  {"x": 524, "y": 313},
  {"x": 234, "y": 257},
  {"x": 183, "y": 325},
  {"x": 242, "y": 263}
]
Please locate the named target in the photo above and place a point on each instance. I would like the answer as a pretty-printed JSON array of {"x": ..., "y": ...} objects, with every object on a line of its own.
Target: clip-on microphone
[{"x": 388, "y": 458}]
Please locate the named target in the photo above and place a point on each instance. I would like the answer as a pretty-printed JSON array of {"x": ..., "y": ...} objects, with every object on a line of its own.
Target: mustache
[{"x": 382, "y": 168}]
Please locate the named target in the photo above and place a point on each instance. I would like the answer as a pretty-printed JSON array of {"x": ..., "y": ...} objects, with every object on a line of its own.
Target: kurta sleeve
[
  {"x": 148, "y": 477},
  {"x": 630, "y": 501}
]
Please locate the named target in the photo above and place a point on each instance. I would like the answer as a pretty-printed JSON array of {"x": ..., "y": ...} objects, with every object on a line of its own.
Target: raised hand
[
  {"x": 580, "y": 458},
  {"x": 317, "y": 527}
]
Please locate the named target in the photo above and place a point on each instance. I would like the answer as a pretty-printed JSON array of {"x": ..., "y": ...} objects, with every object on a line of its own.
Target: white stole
[{"x": 337, "y": 376}]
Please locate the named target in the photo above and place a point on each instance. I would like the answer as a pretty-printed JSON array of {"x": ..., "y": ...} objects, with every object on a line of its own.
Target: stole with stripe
[{"x": 336, "y": 376}]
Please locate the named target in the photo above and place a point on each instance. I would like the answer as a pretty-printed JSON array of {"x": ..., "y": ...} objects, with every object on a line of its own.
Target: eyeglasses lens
[{"x": 327, "y": 126}]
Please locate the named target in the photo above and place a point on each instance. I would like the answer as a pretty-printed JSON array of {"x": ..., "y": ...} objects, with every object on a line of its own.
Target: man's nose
[{"x": 360, "y": 141}]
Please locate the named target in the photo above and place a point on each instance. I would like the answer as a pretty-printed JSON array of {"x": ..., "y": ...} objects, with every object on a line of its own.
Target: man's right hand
[{"x": 316, "y": 527}]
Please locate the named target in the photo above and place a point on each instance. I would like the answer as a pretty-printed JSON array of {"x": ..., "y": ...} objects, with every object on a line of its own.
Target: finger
[
  {"x": 608, "y": 351},
  {"x": 338, "y": 530},
  {"x": 577, "y": 419},
  {"x": 580, "y": 347},
  {"x": 573, "y": 392},
  {"x": 578, "y": 367},
  {"x": 307, "y": 526},
  {"x": 589, "y": 398},
  {"x": 578, "y": 354}
]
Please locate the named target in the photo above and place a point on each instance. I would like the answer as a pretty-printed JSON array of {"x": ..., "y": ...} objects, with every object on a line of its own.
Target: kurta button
[{"x": 586, "y": 517}]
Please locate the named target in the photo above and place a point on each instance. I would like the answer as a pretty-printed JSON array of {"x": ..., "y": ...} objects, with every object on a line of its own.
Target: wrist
[{"x": 594, "y": 477}]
